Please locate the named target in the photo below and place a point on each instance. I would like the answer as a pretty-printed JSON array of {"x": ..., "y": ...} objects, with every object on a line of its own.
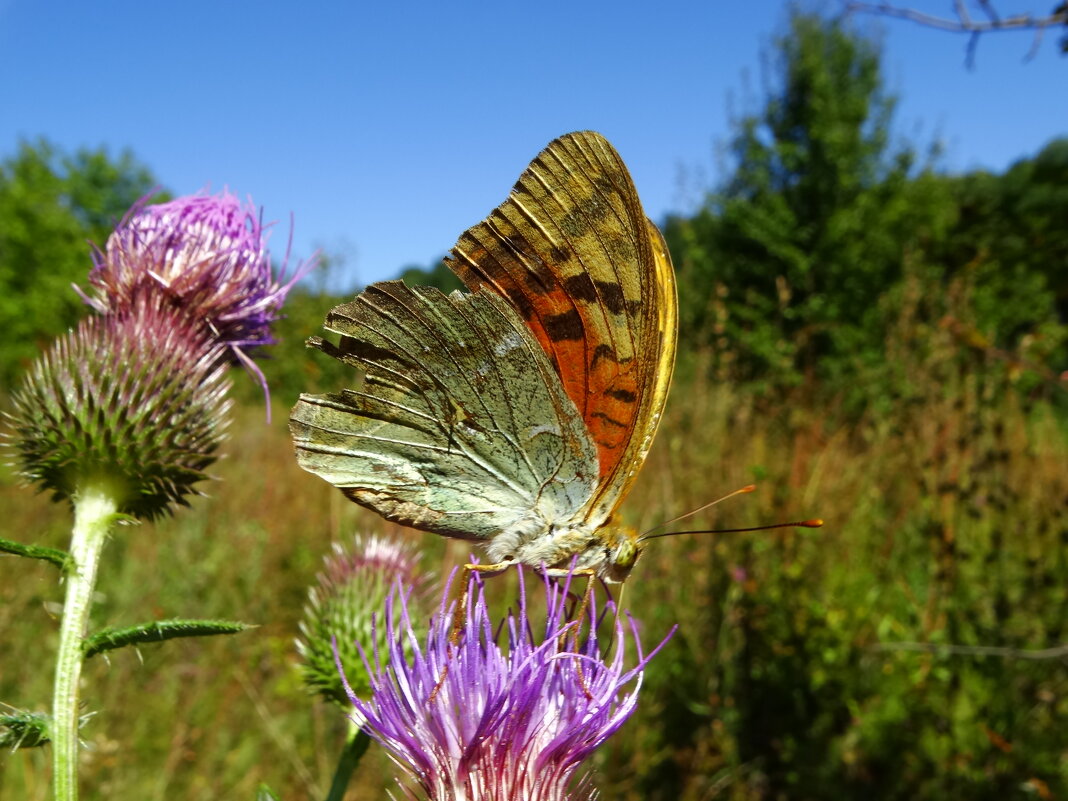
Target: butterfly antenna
[
  {"x": 815, "y": 523},
  {"x": 742, "y": 491}
]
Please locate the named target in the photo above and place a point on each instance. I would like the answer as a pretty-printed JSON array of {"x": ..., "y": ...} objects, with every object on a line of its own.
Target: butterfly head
[{"x": 619, "y": 551}]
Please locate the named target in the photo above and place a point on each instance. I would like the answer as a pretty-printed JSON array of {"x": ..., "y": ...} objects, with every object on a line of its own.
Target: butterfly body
[
  {"x": 607, "y": 551},
  {"x": 517, "y": 413}
]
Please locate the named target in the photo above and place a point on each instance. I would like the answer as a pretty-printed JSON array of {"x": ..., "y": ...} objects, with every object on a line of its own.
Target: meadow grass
[{"x": 791, "y": 675}]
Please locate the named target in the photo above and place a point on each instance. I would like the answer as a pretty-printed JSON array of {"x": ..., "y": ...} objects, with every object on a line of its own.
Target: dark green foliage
[
  {"x": 52, "y": 206},
  {"x": 810, "y": 227},
  {"x": 118, "y": 637},
  {"x": 913, "y": 648},
  {"x": 1010, "y": 242}
]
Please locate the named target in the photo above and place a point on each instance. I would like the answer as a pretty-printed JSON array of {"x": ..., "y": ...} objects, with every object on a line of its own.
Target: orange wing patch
[{"x": 572, "y": 250}]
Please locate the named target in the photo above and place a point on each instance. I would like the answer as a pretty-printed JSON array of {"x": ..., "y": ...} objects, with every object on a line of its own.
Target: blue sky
[{"x": 388, "y": 128}]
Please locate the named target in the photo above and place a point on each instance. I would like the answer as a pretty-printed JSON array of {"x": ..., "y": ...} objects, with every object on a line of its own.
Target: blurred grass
[{"x": 945, "y": 523}]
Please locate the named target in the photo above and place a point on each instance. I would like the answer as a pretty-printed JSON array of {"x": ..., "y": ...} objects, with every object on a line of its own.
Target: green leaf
[
  {"x": 23, "y": 730},
  {"x": 263, "y": 793},
  {"x": 116, "y": 637},
  {"x": 60, "y": 559}
]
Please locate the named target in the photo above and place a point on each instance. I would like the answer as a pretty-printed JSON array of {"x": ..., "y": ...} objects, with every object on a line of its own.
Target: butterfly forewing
[
  {"x": 572, "y": 250},
  {"x": 656, "y": 369},
  {"x": 461, "y": 426}
]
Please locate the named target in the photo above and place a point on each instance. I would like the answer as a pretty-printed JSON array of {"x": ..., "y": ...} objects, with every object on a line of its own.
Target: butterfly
[{"x": 516, "y": 413}]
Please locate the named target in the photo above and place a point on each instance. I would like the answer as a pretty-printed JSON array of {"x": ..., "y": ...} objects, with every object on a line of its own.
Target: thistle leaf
[
  {"x": 60, "y": 559},
  {"x": 119, "y": 636},
  {"x": 21, "y": 729}
]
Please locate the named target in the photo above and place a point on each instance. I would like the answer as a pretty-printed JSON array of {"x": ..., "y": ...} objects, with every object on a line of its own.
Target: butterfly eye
[
  {"x": 620, "y": 561},
  {"x": 626, "y": 555}
]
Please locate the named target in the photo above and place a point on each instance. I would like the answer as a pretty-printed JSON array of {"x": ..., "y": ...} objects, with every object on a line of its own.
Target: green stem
[
  {"x": 355, "y": 746},
  {"x": 94, "y": 510}
]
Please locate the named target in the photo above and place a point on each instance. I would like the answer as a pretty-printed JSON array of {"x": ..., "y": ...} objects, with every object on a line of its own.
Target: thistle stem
[
  {"x": 355, "y": 745},
  {"x": 95, "y": 507}
]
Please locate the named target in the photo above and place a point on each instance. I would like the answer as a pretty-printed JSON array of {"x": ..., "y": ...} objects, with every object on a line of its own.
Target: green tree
[
  {"x": 52, "y": 206},
  {"x": 1011, "y": 244},
  {"x": 788, "y": 259},
  {"x": 439, "y": 275}
]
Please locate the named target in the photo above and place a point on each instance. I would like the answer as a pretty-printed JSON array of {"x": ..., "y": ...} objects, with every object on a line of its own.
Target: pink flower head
[
  {"x": 208, "y": 254},
  {"x": 514, "y": 716}
]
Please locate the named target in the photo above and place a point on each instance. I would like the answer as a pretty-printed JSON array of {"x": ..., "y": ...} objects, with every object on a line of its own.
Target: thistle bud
[
  {"x": 341, "y": 611},
  {"x": 135, "y": 400}
]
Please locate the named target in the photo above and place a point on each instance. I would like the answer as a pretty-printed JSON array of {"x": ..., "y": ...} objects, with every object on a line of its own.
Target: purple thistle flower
[
  {"x": 512, "y": 720},
  {"x": 208, "y": 253}
]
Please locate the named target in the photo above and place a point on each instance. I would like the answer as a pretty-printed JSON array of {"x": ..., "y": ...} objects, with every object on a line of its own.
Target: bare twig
[
  {"x": 965, "y": 23},
  {"x": 987, "y": 7}
]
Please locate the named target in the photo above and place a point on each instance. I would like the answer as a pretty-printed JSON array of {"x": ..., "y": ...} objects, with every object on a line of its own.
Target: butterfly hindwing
[{"x": 461, "y": 426}]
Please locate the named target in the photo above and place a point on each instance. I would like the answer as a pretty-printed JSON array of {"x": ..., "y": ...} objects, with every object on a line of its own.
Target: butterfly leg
[
  {"x": 575, "y": 632},
  {"x": 584, "y": 608},
  {"x": 459, "y": 612}
]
